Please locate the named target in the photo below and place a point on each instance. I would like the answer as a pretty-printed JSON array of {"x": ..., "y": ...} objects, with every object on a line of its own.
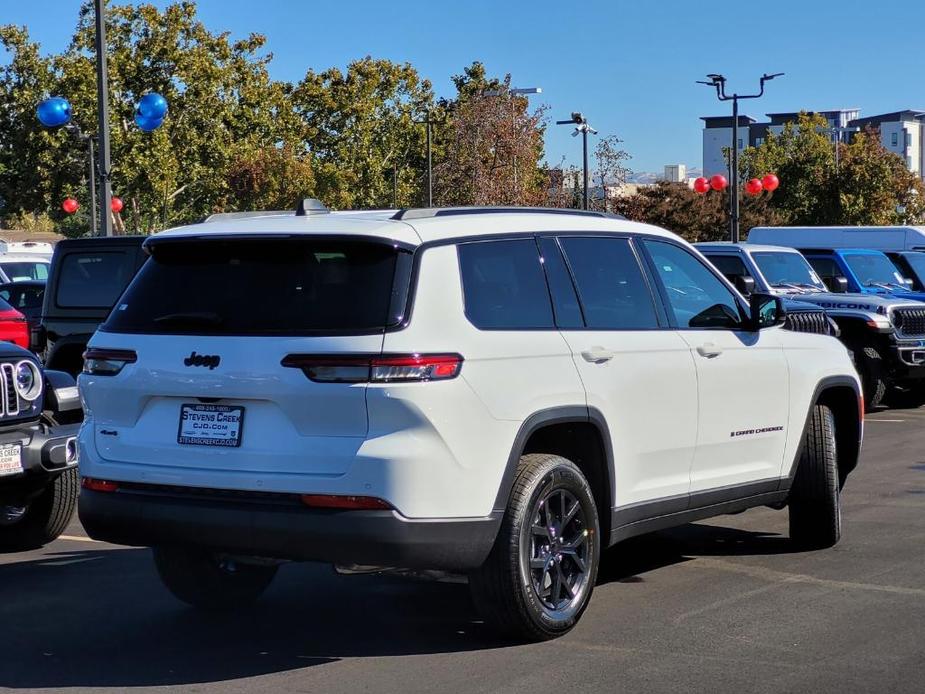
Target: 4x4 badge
[{"x": 210, "y": 360}]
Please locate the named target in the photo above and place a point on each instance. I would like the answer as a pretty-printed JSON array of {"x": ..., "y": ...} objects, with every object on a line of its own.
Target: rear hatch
[{"x": 199, "y": 341}]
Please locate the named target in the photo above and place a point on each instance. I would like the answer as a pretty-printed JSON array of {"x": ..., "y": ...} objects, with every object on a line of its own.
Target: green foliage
[{"x": 864, "y": 187}]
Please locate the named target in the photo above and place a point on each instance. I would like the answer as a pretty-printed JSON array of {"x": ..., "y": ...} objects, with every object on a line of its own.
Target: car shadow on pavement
[
  {"x": 102, "y": 619},
  {"x": 627, "y": 561}
]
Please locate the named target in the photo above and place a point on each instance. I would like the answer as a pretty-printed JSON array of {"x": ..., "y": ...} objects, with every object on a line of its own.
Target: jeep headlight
[{"x": 28, "y": 380}]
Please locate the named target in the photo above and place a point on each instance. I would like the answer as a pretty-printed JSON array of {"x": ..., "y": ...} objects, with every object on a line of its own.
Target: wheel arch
[
  {"x": 842, "y": 395},
  {"x": 578, "y": 433}
]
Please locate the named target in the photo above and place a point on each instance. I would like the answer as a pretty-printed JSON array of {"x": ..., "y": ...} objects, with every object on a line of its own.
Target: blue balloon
[
  {"x": 152, "y": 106},
  {"x": 147, "y": 124},
  {"x": 54, "y": 111}
]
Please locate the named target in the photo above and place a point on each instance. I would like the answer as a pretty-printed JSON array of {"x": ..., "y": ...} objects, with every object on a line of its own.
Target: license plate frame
[
  {"x": 11, "y": 459},
  {"x": 188, "y": 436}
]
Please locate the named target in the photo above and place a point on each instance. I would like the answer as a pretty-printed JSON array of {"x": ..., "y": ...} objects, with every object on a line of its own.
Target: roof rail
[
  {"x": 228, "y": 216},
  {"x": 427, "y": 212},
  {"x": 310, "y": 206}
]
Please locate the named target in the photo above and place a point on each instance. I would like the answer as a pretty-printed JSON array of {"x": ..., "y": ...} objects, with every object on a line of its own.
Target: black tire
[
  {"x": 870, "y": 367},
  {"x": 815, "y": 502},
  {"x": 208, "y": 581},
  {"x": 46, "y": 516},
  {"x": 510, "y": 589}
]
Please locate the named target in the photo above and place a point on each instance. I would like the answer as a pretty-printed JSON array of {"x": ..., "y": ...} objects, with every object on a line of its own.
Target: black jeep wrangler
[{"x": 38, "y": 450}]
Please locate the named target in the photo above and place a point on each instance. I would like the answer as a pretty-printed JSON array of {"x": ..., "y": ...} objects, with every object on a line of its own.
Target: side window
[
  {"x": 825, "y": 267},
  {"x": 697, "y": 297},
  {"x": 612, "y": 288},
  {"x": 504, "y": 287},
  {"x": 730, "y": 265},
  {"x": 564, "y": 300}
]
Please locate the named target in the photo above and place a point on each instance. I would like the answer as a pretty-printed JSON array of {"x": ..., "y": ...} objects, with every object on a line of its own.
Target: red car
[{"x": 13, "y": 326}]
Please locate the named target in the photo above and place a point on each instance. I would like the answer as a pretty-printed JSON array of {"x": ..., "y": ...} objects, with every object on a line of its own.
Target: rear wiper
[{"x": 191, "y": 318}]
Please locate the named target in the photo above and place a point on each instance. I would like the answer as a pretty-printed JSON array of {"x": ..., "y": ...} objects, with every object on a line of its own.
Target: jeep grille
[
  {"x": 10, "y": 404},
  {"x": 808, "y": 322},
  {"x": 909, "y": 322}
]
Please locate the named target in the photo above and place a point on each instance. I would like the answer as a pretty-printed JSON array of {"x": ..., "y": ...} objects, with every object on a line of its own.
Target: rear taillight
[
  {"x": 95, "y": 485},
  {"x": 100, "y": 361},
  {"x": 386, "y": 368},
  {"x": 350, "y": 503}
]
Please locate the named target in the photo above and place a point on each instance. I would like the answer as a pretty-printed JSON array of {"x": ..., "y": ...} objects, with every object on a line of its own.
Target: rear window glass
[
  {"x": 248, "y": 287},
  {"x": 19, "y": 270},
  {"x": 504, "y": 285},
  {"x": 93, "y": 280}
]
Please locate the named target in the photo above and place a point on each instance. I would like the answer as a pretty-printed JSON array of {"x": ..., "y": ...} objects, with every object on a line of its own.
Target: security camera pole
[
  {"x": 719, "y": 82},
  {"x": 581, "y": 126}
]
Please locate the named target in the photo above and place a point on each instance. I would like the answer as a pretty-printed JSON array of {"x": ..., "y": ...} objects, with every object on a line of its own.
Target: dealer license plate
[
  {"x": 10, "y": 458},
  {"x": 211, "y": 425}
]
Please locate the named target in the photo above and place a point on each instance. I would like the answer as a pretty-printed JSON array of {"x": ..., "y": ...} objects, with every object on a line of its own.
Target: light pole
[
  {"x": 719, "y": 83},
  {"x": 428, "y": 124},
  {"x": 581, "y": 127},
  {"x": 514, "y": 91}
]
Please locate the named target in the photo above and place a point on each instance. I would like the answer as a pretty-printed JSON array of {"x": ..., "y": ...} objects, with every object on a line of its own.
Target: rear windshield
[
  {"x": 93, "y": 279},
  {"x": 19, "y": 270},
  {"x": 261, "y": 287}
]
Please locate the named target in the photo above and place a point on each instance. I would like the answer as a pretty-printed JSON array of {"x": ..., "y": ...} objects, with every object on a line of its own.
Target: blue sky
[{"x": 629, "y": 66}]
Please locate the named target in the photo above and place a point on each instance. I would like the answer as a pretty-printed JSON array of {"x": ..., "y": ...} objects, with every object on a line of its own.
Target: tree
[
  {"x": 272, "y": 178},
  {"x": 363, "y": 125},
  {"x": 864, "y": 188},
  {"x": 695, "y": 216},
  {"x": 609, "y": 167},
  {"x": 491, "y": 145}
]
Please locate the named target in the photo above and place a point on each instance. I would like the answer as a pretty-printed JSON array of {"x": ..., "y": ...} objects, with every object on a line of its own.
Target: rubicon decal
[
  {"x": 210, "y": 360},
  {"x": 752, "y": 432}
]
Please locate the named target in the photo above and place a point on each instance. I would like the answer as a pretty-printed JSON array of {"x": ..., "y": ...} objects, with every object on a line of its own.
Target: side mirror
[
  {"x": 837, "y": 285},
  {"x": 767, "y": 311},
  {"x": 745, "y": 285}
]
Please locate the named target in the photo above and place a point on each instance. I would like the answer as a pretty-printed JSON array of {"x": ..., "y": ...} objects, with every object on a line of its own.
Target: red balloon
[
  {"x": 70, "y": 205},
  {"x": 701, "y": 185},
  {"x": 116, "y": 205},
  {"x": 770, "y": 182},
  {"x": 753, "y": 186},
  {"x": 718, "y": 182}
]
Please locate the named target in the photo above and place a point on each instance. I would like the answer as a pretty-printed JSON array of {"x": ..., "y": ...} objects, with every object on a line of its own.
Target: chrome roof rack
[{"x": 427, "y": 212}]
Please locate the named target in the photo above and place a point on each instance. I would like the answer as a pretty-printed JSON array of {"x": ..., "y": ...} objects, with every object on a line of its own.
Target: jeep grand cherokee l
[{"x": 497, "y": 392}]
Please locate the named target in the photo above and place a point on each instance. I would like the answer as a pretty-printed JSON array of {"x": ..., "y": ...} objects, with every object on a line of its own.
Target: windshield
[
  {"x": 783, "y": 269},
  {"x": 25, "y": 270},
  {"x": 263, "y": 288},
  {"x": 875, "y": 270}
]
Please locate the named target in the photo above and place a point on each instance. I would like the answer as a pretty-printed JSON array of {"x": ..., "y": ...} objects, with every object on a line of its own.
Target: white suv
[{"x": 498, "y": 392}]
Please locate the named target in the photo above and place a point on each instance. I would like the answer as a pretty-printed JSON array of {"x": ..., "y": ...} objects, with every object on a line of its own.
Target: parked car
[
  {"x": 87, "y": 276},
  {"x": 885, "y": 335},
  {"x": 26, "y": 297},
  {"x": 38, "y": 455},
  {"x": 13, "y": 326},
  {"x": 40, "y": 248},
  {"x": 498, "y": 392},
  {"x": 18, "y": 267}
]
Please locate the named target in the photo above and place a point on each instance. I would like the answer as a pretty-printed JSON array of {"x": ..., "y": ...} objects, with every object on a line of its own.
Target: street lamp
[
  {"x": 582, "y": 127},
  {"x": 514, "y": 91},
  {"x": 719, "y": 83}
]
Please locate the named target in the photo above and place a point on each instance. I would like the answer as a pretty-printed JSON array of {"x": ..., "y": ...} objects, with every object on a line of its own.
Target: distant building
[
  {"x": 901, "y": 132},
  {"x": 675, "y": 173}
]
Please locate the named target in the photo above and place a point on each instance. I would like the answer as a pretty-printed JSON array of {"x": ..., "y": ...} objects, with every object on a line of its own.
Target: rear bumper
[{"x": 285, "y": 530}]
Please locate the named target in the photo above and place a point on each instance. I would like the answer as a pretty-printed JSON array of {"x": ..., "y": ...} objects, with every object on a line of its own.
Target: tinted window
[
  {"x": 19, "y": 296},
  {"x": 698, "y": 298},
  {"x": 730, "y": 265},
  {"x": 825, "y": 267},
  {"x": 504, "y": 286},
  {"x": 93, "y": 280},
  {"x": 564, "y": 300},
  {"x": 263, "y": 287},
  {"x": 613, "y": 291},
  {"x": 20, "y": 270}
]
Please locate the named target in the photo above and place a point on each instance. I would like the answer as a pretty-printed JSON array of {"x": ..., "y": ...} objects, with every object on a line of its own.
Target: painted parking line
[
  {"x": 76, "y": 538},
  {"x": 869, "y": 419}
]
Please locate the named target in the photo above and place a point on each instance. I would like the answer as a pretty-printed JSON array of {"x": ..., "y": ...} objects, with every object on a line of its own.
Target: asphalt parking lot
[{"x": 723, "y": 605}]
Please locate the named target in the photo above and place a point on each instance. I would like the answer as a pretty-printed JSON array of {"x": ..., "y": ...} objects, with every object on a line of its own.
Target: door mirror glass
[
  {"x": 837, "y": 284},
  {"x": 767, "y": 311}
]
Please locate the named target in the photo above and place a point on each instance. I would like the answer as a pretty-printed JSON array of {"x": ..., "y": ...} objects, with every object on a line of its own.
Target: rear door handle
[
  {"x": 709, "y": 350},
  {"x": 598, "y": 355}
]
